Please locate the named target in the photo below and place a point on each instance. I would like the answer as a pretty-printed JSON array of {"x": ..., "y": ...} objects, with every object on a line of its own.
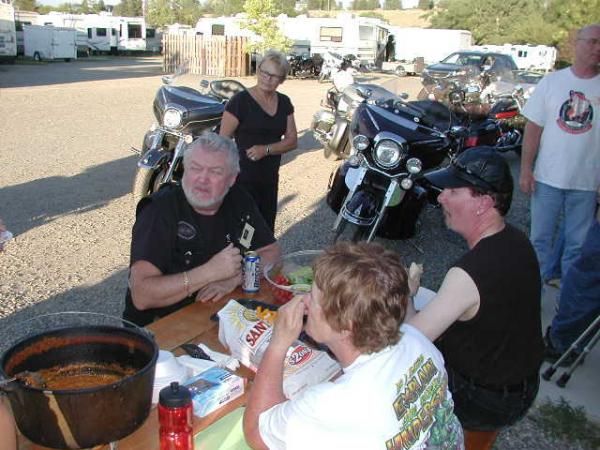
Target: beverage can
[{"x": 251, "y": 272}]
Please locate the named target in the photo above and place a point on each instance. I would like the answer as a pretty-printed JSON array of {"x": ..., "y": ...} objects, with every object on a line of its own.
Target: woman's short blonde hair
[
  {"x": 365, "y": 290},
  {"x": 279, "y": 59}
]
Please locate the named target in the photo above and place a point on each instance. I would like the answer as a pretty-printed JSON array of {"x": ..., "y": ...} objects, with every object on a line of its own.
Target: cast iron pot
[{"x": 82, "y": 418}]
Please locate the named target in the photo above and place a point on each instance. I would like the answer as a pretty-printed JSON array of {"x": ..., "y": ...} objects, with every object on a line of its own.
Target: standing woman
[{"x": 262, "y": 122}]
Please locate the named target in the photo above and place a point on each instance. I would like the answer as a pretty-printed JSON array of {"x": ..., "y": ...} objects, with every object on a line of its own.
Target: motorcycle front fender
[
  {"x": 153, "y": 158},
  {"x": 339, "y": 136}
]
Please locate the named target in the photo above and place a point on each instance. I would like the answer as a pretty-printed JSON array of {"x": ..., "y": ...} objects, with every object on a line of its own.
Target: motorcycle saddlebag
[{"x": 400, "y": 222}]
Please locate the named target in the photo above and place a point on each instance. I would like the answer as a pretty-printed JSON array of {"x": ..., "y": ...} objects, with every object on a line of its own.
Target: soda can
[{"x": 251, "y": 272}]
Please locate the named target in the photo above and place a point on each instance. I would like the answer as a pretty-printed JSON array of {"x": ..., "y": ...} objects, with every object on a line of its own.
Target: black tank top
[{"x": 502, "y": 344}]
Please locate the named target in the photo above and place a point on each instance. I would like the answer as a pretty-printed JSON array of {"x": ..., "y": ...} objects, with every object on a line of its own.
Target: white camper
[
  {"x": 431, "y": 44},
  {"x": 527, "y": 57},
  {"x": 48, "y": 42},
  {"x": 364, "y": 37},
  {"x": 105, "y": 33},
  {"x": 8, "y": 33}
]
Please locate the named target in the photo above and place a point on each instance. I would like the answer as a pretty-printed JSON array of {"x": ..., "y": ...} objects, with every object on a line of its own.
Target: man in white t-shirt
[
  {"x": 563, "y": 131},
  {"x": 393, "y": 393}
]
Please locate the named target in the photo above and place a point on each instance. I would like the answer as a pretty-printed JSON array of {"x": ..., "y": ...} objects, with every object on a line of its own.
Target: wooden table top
[{"x": 189, "y": 324}]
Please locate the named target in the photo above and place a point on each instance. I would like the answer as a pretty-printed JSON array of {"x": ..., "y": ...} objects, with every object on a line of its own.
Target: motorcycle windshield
[{"x": 197, "y": 107}]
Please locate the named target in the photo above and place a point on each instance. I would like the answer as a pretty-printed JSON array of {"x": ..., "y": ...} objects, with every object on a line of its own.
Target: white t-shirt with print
[
  {"x": 568, "y": 108},
  {"x": 397, "y": 398}
]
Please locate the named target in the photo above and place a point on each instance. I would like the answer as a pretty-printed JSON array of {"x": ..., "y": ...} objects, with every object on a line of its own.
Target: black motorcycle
[
  {"x": 379, "y": 190},
  {"x": 304, "y": 66},
  {"x": 331, "y": 124},
  {"x": 182, "y": 113}
]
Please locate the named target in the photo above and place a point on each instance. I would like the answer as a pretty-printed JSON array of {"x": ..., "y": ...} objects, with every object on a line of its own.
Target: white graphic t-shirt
[
  {"x": 395, "y": 399},
  {"x": 568, "y": 108}
]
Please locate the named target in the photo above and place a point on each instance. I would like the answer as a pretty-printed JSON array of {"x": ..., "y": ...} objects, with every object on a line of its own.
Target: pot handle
[{"x": 5, "y": 385}]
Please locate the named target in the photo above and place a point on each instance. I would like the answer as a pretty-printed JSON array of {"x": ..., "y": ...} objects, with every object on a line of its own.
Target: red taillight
[
  {"x": 506, "y": 115},
  {"x": 471, "y": 141}
]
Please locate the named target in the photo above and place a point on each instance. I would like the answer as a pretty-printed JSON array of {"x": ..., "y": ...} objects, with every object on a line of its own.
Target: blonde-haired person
[
  {"x": 393, "y": 391},
  {"x": 262, "y": 122}
]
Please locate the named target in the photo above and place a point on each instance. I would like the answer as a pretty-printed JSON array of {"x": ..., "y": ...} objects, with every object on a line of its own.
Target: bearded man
[{"x": 187, "y": 239}]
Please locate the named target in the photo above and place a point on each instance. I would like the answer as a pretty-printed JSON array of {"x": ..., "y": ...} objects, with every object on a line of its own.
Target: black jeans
[{"x": 482, "y": 408}]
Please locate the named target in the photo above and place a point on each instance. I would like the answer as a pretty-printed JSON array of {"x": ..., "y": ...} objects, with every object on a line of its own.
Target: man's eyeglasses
[{"x": 270, "y": 76}]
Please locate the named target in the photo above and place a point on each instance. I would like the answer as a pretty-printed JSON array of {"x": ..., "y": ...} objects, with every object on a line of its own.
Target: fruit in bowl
[{"x": 291, "y": 275}]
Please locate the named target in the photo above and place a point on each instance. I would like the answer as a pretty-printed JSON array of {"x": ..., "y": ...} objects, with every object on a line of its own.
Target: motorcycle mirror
[
  {"x": 403, "y": 95},
  {"x": 204, "y": 83}
]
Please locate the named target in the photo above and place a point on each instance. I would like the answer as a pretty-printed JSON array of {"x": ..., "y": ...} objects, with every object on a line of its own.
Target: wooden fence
[{"x": 219, "y": 56}]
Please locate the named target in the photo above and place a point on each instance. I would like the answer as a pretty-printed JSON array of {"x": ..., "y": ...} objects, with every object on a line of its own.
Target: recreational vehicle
[
  {"x": 105, "y": 33},
  {"x": 527, "y": 57},
  {"x": 49, "y": 42},
  {"x": 8, "y": 33},
  {"x": 431, "y": 44},
  {"x": 361, "y": 36}
]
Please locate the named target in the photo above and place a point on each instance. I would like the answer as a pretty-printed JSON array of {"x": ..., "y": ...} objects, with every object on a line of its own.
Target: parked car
[{"x": 497, "y": 66}]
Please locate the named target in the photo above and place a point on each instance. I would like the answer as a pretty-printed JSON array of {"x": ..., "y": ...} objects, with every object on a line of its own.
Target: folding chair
[{"x": 566, "y": 375}]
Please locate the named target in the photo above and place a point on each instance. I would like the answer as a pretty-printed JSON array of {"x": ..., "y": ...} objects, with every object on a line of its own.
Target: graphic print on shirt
[
  {"x": 422, "y": 407},
  {"x": 576, "y": 114},
  {"x": 185, "y": 230}
]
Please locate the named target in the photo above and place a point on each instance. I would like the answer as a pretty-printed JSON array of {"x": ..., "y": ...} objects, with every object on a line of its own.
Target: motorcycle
[
  {"x": 500, "y": 115},
  {"x": 379, "y": 190},
  {"x": 484, "y": 104},
  {"x": 330, "y": 125},
  {"x": 182, "y": 113},
  {"x": 304, "y": 66},
  {"x": 333, "y": 63}
]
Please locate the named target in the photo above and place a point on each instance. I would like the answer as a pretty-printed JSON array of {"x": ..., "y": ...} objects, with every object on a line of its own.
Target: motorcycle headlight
[
  {"x": 172, "y": 118},
  {"x": 360, "y": 142},
  {"x": 387, "y": 153},
  {"x": 414, "y": 165}
]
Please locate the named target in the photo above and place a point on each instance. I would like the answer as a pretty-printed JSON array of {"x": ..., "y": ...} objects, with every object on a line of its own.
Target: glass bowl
[{"x": 291, "y": 275}]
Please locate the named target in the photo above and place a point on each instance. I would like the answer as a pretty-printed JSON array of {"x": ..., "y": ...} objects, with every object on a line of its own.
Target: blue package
[{"x": 214, "y": 388}]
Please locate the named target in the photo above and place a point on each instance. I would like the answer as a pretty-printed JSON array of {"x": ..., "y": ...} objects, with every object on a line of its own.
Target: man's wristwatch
[{"x": 268, "y": 150}]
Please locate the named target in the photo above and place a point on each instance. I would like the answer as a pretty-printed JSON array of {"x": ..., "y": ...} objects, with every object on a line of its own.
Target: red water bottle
[{"x": 175, "y": 418}]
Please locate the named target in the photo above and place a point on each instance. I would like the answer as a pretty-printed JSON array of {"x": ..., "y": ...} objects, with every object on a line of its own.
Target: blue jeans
[
  {"x": 580, "y": 295},
  {"x": 548, "y": 204}
]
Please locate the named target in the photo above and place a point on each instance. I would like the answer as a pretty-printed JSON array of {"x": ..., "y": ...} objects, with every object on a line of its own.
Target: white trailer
[
  {"x": 364, "y": 37},
  {"x": 431, "y": 44},
  {"x": 8, "y": 33},
  {"x": 48, "y": 42},
  {"x": 527, "y": 57},
  {"x": 105, "y": 33}
]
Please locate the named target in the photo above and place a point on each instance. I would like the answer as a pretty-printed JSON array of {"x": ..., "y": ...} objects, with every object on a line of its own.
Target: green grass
[{"x": 561, "y": 420}]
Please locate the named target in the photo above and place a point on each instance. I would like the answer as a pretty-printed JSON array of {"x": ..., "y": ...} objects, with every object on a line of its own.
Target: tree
[
  {"x": 261, "y": 21},
  {"x": 160, "y": 13},
  {"x": 425, "y": 4},
  {"x": 489, "y": 22},
  {"x": 392, "y": 4},
  {"x": 224, "y": 7},
  {"x": 128, "y": 8},
  {"x": 25, "y": 5},
  {"x": 189, "y": 12},
  {"x": 99, "y": 6},
  {"x": 84, "y": 8}
]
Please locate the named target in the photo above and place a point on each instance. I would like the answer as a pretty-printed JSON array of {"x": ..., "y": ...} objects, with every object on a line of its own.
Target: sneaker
[{"x": 552, "y": 354}]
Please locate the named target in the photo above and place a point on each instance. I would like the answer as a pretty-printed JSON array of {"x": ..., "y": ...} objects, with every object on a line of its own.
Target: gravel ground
[{"x": 65, "y": 192}]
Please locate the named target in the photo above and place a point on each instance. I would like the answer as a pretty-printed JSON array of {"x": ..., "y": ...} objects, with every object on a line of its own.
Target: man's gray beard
[{"x": 200, "y": 204}]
